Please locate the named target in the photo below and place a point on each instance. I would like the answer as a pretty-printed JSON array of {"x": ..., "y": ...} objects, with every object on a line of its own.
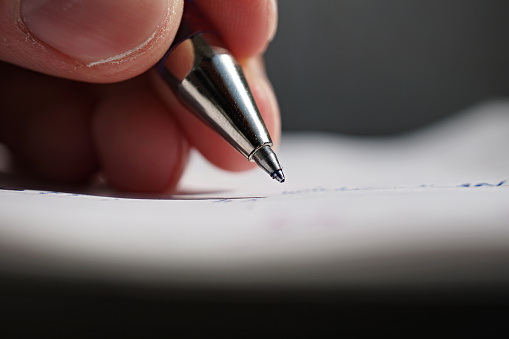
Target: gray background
[{"x": 386, "y": 66}]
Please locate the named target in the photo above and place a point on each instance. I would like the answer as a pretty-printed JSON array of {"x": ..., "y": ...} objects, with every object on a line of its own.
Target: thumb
[{"x": 88, "y": 40}]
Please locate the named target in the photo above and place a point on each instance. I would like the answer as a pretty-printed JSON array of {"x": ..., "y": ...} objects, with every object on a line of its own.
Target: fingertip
[
  {"x": 140, "y": 147},
  {"x": 247, "y": 26},
  {"x": 45, "y": 123}
]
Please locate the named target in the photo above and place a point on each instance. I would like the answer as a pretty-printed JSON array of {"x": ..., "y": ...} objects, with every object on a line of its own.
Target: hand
[{"x": 66, "y": 112}]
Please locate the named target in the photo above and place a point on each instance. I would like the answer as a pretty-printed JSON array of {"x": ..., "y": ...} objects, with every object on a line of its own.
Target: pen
[{"x": 210, "y": 83}]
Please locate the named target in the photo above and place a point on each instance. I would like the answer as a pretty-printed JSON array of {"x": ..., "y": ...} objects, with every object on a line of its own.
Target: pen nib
[
  {"x": 279, "y": 176},
  {"x": 267, "y": 160}
]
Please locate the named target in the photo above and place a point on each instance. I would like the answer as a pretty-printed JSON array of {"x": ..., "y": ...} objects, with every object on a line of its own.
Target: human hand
[{"x": 72, "y": 115}]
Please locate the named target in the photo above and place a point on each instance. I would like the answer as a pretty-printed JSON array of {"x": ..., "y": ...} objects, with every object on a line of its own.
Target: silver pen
[{"x": 208, "y": 80}]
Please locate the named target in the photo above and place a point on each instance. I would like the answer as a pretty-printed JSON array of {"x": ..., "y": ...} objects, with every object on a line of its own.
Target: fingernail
[
  {"x": 94, "y": 30},
  {"x": 273, "y": 13}
]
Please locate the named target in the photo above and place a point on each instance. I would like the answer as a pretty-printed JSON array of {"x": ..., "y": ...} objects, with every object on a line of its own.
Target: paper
[{"x": 428, "y": 208}]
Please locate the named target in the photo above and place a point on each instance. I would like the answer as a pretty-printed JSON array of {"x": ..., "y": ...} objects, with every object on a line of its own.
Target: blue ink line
[{"x": 484, "y": 184}]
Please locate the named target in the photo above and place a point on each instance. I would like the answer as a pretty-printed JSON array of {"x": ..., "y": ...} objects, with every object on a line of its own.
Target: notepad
[{"x": 427, "y": 208}]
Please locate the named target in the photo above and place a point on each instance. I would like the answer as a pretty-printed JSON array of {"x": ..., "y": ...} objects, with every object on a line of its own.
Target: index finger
[{"x": 247, "y": 26}]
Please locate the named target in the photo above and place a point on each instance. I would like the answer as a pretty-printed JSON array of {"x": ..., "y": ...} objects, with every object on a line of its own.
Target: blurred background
[{"x": 381, "y": 67}]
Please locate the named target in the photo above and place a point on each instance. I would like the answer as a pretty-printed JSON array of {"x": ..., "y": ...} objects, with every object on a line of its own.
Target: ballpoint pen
[{"x": 207, "y": 79}]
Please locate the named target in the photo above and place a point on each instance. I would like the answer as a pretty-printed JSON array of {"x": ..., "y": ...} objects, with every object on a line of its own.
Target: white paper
[{"x": 427, "y": 208}]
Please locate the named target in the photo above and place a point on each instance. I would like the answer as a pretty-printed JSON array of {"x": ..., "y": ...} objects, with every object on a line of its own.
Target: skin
[{"x": 74, "y": 106}]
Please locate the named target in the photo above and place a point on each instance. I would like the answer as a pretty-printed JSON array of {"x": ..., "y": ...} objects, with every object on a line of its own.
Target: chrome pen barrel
[{"x": 209, "y": 81}]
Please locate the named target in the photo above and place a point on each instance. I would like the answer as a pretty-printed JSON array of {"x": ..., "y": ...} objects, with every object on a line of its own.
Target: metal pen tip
[
  {"x": 267, "y": 160},
  {"x": 279, "y": 176}
]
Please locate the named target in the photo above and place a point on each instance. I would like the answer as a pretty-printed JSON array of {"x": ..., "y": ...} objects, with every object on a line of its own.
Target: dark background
[
  {"x": 90, "y": 308},
  {"x": 379, "y": 67}
]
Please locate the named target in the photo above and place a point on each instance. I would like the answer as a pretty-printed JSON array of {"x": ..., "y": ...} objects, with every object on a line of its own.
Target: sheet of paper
[{"x": 427, "y": 208}]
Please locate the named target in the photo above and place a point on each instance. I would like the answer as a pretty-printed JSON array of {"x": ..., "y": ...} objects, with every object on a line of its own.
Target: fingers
[
  {"x": 107, "y": 41},
  {"x": 208, "y": 142},
  {"x": 65, "y": 131},
  {"x": 45, "y": 122},
  {"x": 140, "y": 146},
  {"x": 247, "y": 26},
  {"x": 92, "y": 40}
]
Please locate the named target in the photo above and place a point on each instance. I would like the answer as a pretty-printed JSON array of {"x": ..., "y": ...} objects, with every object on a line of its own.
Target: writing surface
[{"x": 431, "y": 207}]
